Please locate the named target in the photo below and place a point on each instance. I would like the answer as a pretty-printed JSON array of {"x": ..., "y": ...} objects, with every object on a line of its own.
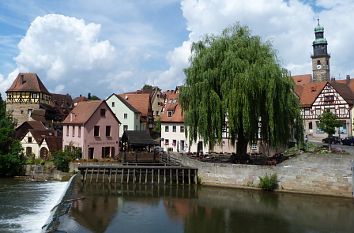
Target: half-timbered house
[{"x": 317, "y": 97}]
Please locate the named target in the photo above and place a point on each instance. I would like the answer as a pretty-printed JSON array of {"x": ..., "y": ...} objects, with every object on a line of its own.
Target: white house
[{"x": 132, "y": 110}]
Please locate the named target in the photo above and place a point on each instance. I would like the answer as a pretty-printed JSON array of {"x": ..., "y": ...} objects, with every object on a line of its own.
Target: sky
[{"x": 114, "y": 46}]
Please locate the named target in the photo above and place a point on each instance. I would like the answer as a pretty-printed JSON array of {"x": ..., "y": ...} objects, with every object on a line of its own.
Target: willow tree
[{"x": 234, "y": 80}]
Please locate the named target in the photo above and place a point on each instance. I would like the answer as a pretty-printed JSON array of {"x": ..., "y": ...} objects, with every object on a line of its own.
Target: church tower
[{"x": 320, "y": 57}]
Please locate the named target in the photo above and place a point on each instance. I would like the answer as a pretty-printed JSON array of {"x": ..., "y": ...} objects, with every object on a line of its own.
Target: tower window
[{"x": 318, "y": 62}]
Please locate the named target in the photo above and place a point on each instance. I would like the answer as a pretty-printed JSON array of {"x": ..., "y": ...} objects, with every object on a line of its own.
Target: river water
[
  {"x": 192, "y": 209},
  {"x": 25, "y": 205}
]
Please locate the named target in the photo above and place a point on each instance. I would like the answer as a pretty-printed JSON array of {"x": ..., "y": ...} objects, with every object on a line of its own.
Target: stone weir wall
[{"x": 325, "y": 174}]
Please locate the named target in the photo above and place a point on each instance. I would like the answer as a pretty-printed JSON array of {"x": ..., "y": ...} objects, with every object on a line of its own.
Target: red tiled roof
[
  {"x": 39, "y": 135},
  {"x": 28, "y": 82},
  {"x": 308, "y": 91},
  {"x": 140, "y": 101},
  {"x": 79, "y": 99},
  {"x": 302, "y": 79},
  {"x": 172, "y": 105},
  {"x": 82, "y": 112}
]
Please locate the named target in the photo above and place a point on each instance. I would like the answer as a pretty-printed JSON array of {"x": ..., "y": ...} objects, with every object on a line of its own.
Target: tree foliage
[
  {"x": 147, "y": 87},
  {"x": 92, "y": 97},
  {"x": 61, "y": 159},
  {"x": 328, "y": 122},
  {"x": 11, "y": 156},
  {"x": 235, "y": 80}
]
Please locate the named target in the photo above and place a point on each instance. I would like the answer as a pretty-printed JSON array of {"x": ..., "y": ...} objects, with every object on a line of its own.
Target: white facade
[
  {"x": 173, "y": 138},
  {"x": 129, "y": 119},
  {"x": 328, "y": 99},
  {"x": 32, "y": 147}
]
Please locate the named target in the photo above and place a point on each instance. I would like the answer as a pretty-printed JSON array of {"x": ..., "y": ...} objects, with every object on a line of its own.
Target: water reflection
[{"x": 149, "y": 208}]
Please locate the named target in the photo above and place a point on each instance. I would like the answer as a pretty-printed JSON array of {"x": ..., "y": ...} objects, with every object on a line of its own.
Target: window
[
  {"x": 103, "y": 112},
  {"x": 166, "y": 128},
  {"x": 328, "y": 98},
  {"x": 79, "y": 132},
  {"x": 174, "y": 128},
  {"x": 157, "y": 113},
  {"x": 182, "y": 129},
  {"x": 108, "y": 131},
  {"x": 174, "y": 143},
  {"x": 125, "y": 127},
  {"x": 29, "y": 111},
  {"x": 29, "y": 140},
  {"x": 318, "y": 62},
  {"x": 166, "y": 142},
  {"x": 318, "y": 112},
  {"x": 67, "y": 131},
  {"x": 182, "y": 144},
  {"x": 73, "y": 128},
  {"x": 343, "y": 128},
  {"x": 28, "y": 151},
  {"x": 125, "y": 116},
  {"x": 96, "y": 131},
  {"x": 310, "y": 125},
  {"x": 342, "y": 111},
  {"x": 169, "y": 113},
  {"x": 113, "y": 104},
  {"x": 105, "y": 152},
  {"x": 35, "y": 95}
]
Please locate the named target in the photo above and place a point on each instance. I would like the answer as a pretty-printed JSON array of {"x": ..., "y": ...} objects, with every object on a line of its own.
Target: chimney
[
  {"x": 126, "y": 97},
  {"x": 348, "y": 77},
  {"x": 22, "y": 79}
]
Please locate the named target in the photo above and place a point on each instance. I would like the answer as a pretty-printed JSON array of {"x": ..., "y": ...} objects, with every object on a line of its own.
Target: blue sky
[{"x": 106, "y": 46}]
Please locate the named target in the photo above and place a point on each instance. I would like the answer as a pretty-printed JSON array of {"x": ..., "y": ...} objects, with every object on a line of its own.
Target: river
[{"x": 25, "y": 206}]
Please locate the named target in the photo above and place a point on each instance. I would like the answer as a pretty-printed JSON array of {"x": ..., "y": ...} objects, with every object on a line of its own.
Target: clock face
[{"x": 319, "y": 66}]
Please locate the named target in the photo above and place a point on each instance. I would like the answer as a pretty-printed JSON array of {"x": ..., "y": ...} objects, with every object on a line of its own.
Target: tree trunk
[{"x": 241, "y": 149}]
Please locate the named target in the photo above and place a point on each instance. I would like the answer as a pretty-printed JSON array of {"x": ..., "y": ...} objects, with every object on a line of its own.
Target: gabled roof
[
  {"x": 138, "y": 138},
  {"x": 140, "y": 101},
  {"x": 131, "y": 107},
  {"x": 22, "y": 129},
  {"x": 308, "y": 91},
  {"x": 83, "y": 111},
  {"x": 39, "y": 135},
  {"x": 28, "y": 82}
]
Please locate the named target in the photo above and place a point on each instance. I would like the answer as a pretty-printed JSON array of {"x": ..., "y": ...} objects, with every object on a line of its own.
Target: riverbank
[
  {"x": 44, "y": 173},
  {"x": 320, "y": 174}
]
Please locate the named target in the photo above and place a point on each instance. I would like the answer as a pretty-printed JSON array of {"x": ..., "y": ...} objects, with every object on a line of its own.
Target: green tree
[
  {"x": 61, "y": 159},
  {"x": 328, "y": 122},
  {"x": 11, "y": 155},
  {"x": 147, "y": 87},
  {"x": 235, "y": 80},
  {"x": 92, "y": 97}
]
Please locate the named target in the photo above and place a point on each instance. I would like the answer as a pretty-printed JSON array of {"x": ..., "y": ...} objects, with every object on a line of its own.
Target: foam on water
[{"x": 45, "y": 197}]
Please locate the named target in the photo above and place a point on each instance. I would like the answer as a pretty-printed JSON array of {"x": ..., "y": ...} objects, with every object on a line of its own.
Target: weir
[{"x": 167, "y": 171}]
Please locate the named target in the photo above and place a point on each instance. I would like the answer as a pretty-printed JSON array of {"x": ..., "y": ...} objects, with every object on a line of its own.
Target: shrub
[
  {"x": 61, "y": 159},
  {"x": 268, "y": 183}
]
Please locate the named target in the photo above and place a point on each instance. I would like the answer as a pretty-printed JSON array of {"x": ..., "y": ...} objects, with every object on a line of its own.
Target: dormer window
[{"x": 169, "y": 113}]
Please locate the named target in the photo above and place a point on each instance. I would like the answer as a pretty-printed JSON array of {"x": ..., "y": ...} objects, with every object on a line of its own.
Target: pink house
[{"x": 93, "y": 127}]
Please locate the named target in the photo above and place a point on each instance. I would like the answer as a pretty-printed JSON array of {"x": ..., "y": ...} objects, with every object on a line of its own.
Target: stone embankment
[
  {"x": 42, "y": 173},
  {"x": 325, "y": 174}
]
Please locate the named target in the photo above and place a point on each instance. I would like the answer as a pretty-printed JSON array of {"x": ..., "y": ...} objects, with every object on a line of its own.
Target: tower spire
[{"x": 320, "y": 57}]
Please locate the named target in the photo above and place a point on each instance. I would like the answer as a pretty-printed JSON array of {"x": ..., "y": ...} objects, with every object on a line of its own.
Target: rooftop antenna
[{"x": 318, "y": 21}]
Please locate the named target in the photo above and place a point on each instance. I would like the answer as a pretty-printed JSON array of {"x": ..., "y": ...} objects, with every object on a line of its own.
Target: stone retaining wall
[{"x": 325, "y": 174}]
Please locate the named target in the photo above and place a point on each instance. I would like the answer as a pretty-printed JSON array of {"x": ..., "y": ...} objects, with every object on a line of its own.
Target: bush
[
  {"x": 61, "y": 159},
  {"x": 268, "y": 183}
]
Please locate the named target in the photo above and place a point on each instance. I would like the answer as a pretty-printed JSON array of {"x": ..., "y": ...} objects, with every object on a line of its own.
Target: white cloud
[
  {"x": 287, "y": 24},
  {"x": 59, "y": 44}
]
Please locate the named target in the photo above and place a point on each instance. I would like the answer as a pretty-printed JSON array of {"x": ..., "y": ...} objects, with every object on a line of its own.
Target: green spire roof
[{"x": 319, "y": 28}]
